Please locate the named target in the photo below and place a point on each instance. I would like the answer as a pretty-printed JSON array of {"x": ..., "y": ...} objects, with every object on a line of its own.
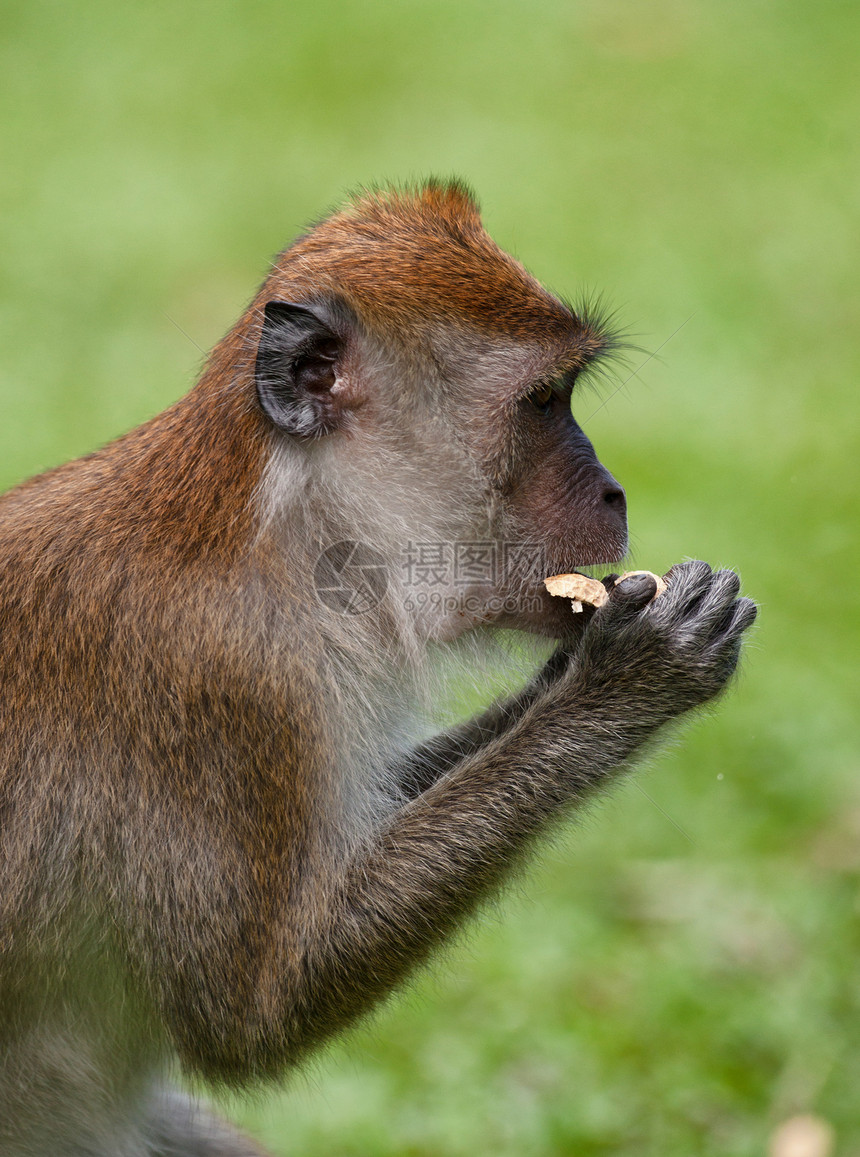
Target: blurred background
[{"x": 677, "y": 973}]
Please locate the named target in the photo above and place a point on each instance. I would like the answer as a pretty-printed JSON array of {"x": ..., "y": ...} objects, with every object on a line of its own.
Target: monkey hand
[{"x": 663, "y": 657}]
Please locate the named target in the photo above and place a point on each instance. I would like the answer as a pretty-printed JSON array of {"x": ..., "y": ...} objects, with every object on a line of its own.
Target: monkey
[{"x": 228, "y": 828}]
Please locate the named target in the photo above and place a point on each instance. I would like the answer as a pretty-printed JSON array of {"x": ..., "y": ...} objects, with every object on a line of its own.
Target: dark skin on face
[{"x": 558, "y": 493}]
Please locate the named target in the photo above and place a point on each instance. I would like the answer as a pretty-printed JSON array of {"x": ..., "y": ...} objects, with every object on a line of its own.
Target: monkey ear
[{"x": 296, "y": 370}]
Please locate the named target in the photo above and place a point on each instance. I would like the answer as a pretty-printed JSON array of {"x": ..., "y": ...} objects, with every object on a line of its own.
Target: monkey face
[{"x": 563, "y": 498}]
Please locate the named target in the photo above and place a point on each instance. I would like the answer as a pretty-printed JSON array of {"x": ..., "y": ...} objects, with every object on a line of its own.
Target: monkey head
[{"x": 415, "y": 382}]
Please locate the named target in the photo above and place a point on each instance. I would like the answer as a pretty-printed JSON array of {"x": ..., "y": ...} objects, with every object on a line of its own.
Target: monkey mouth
[
  {"x": 586, "y": 561},
  {"x": 604, "y": 549},
  {"x": 605, "y": 555}
]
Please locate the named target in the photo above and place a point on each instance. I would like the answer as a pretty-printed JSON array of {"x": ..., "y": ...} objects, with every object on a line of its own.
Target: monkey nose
[{"x": 615, "y": 499}]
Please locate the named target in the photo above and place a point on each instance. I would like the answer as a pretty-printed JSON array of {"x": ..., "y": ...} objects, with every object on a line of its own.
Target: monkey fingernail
[{"x": 661, "y": 583}]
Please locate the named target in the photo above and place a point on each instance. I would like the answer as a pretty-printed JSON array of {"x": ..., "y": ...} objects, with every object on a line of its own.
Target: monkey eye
[{"x": 541, "y": 397}]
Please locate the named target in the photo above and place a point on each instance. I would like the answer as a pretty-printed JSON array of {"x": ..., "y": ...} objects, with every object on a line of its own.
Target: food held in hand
[{"x": 579, "y": 588}]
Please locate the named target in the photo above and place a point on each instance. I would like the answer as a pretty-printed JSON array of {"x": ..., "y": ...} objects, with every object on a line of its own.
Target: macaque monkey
[{"x": 223, "y": 834}]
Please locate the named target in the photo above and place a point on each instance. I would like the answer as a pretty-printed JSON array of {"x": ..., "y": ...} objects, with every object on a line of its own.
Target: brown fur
[{"x": 215, "y": 842}]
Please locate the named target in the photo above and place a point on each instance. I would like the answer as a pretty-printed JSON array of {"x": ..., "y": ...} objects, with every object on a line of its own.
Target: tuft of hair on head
[{"x": 446, "y": 203}]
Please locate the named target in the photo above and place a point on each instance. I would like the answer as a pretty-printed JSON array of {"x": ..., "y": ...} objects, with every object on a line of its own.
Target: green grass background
[{"x": 679, "y": 971}]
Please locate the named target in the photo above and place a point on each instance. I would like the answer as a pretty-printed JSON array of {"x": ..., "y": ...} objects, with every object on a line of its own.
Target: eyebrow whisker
[{"x": 632, "y": 375}]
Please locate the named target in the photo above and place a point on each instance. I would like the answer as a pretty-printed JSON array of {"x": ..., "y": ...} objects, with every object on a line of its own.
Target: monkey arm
[
  {"x": 442, "y": 853},
  {"x": 309, "y": 939},
  {"x": 430, "y": 760}
]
